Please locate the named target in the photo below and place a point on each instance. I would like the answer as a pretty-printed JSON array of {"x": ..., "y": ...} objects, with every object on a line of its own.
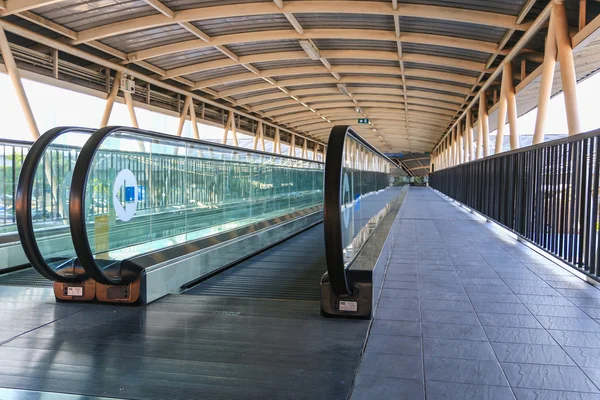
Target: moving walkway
[{"x": 151, "y": 214}]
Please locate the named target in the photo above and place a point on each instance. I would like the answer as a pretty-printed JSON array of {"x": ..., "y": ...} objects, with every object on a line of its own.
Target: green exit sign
[{"x": 363, "y": 120}]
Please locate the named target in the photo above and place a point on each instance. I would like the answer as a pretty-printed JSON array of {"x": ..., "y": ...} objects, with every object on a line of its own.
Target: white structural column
[
  {"x": 567, "y": 66},
  {"x": 15, "y": 78},
  {"x": 511, "y": 104},
  {"x": 547, "y": 79},
  {"x": 479, "y": 142},
  {"x": 110, "y": 100},
  {"x": 485, "y": 123}
]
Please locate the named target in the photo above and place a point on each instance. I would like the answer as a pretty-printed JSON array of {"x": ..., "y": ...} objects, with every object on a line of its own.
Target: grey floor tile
[
  {"x": 464, "y": 349},
  {"x": 453, "y": 331},
  {"x": 445, "y": 305},
  {"x": 391, "y": 365},
  {"x": 500, "y": 308},
  {"x": 553, "y": 377},
  {"x": 544, "y": 300},
  {"x": 450, "y": 317},
  {"x": 531, "y": 354},
  {"x": 556, "y": 311},
  {"x": 402, "y": 328},
  {"x": 540, "y": 291},
  {"x": 459, "y": 295},
  {"x": 589, "y": 293},
  {"x": 576, "y": 338},
  {"x": 392, "y": 344},
  {"x": 397, "y": 314},
  {"x": 400, "y": 293},
  {"x": 540, "y": 394},
  {"x": 399, "y": 284},
  {"x": 584, "y": 356},
  {"x": 494, "y": 297},
  {"x": 518, "y": 335},
  {"x": 464, "y": 371},
  {"x": 399, "y": 303},
  {"x": 368, "y": 387},
  {"x": 593, "y": 374},
  {"x": 569, "y": 324},
  {"x": 470, "y": 288},
  {"x": 464, "y": 391},
  {"x": 509, "y": 320},
  {"x": 591, "y": 312}
]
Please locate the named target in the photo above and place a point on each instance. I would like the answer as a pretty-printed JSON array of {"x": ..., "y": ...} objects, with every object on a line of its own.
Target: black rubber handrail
[
  {"x": 23, "y": 203},
  {"x": 79, "y": 184},
  {"x": 332, "y": 206}
]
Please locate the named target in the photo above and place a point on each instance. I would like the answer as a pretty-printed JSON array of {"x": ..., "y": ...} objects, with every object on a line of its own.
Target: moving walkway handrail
[
  {"x": 23, "y": 201},
  {"x": 337, "y": 267},
  {"x": 77, "y": 208}
]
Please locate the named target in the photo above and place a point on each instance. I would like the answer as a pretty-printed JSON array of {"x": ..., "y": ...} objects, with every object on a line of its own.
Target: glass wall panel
[
  {"x": 370, "y": 184},
  {"x": 146, "y": 192}
]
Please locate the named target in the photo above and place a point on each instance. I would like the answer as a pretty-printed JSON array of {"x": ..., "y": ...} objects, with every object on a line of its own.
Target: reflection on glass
[
  {"x": 146, "y": 193},
  {"x": 12, "y": 155},
  {"x": 50, "y": 198},
  {"x": 370, "y": 183}
]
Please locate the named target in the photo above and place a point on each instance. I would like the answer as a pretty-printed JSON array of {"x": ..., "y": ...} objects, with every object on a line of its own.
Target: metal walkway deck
[
  {"x": 467, "y": 312},
  {"x": 209, "y": 345},
  {"x": 289, "y": 271}
]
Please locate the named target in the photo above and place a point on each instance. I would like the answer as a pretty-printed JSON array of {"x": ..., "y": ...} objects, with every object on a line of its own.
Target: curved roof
[{"x": 409, "y": 67}]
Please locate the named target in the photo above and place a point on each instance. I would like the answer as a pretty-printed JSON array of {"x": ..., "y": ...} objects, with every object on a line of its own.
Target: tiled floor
[{"x": 467, "y": 312}]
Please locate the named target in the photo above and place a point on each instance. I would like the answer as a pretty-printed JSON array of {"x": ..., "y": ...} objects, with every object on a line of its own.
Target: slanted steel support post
[{"x": 15, "y": 78}]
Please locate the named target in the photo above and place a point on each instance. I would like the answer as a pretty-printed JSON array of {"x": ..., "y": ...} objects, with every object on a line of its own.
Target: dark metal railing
[
  {"x": 12, "y": 154},
  {"x": 547, "y": 194}
]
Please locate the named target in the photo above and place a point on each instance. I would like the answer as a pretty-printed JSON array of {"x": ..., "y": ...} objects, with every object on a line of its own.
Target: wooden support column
[
  {"x": 277, "y": 142},
  {"x": 183, "y": 115},
  {"x": 567, "y": 67},
  {"x": 547, "y": 79},
  {"x": 234, "y": 129},
  {"x": 470, "y": 146},
  {"x": 502, "y": 110},
  {"x": 292, "y": 150},
  {"x": 485, "y": 123},
  {"x": 227, "y": 125},
  {"x": 305, "y": 149},
  {"x": 15, "y": 78},
  {"x": 461, "y": 143},
  {"x": 257, "y": 135},
  {"x": 456, "y": 160},
  {"x": 511, "y": 104},
  {"x": 110, "y": 100},
  {"x": 230, "y": 125},
  {"x": 131, "y": 109},
  {"x": 193, "y": 118},
  {"x": 55, "y": 58}
]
